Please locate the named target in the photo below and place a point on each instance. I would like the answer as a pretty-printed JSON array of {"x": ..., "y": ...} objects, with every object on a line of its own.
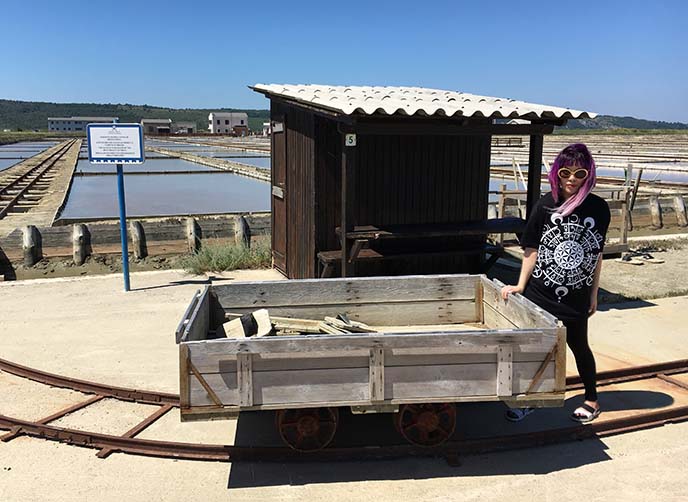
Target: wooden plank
[
  {"x": 428, "y": 312},
  {"x": 455, "y": 382},
  {"x": 211, "y": 412},
  {"x": 479, "y": 305},
  {"x": 505, "y": 357},
  {"x": 181, "y": 327},
  {"x": 245, "y": 378},
  {"x": 517, "y": 309},
  {"x": 377, "y": 374},
  {"x": 393, "y": 358},
  {"x": 540, "y": 340},
  {"x": 337, "y": 291},
  {"x": 204, "y": 384},
  {"x": 184, "y": 376},
  {"x": 535, "y": 382},
  {"x": 347, "y": 385},
  {"x": 196, "y": 326},
  {"x": 495, "y": 320},
  {"x": 359, "y": 359},
  {"x": 546, "y": 381}
]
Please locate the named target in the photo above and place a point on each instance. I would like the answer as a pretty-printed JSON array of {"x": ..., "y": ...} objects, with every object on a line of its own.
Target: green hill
[
  {"x": 612, "y": 122},
  {"x": 30, "y": 115}
]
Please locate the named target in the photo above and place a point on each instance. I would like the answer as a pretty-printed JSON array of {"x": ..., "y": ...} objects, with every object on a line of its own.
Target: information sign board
[{"x": 115, "y": 143}]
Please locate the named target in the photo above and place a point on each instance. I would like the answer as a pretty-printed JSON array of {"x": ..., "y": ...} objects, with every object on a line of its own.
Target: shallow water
[
  {"x": 7, "y": 163},
  {"x": 96, "y": 196}
]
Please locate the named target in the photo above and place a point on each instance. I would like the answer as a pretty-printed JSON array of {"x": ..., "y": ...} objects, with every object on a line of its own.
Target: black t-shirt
[{"x": 568, "y": 249}]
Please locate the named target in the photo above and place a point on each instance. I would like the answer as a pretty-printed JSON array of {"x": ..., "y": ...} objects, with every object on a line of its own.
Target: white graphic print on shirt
[{"x": 568, "y": 253}]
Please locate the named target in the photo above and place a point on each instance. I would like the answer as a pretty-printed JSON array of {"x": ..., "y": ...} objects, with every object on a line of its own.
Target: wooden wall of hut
[{"x": 399, "y": 180}]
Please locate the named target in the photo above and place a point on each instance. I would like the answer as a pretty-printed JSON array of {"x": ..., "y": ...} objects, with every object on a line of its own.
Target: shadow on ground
[
  {"x": 474, "y": 420},
  {"x": 211, "y": 279}
]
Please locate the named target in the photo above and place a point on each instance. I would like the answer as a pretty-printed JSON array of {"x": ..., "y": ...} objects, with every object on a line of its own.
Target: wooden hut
[{"x": 390, "y": 180}]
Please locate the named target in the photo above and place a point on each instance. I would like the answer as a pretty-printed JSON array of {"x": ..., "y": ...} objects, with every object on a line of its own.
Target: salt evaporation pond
[
  {"x": 162, "y": 195},
  {"x": 7, "y": 163}
]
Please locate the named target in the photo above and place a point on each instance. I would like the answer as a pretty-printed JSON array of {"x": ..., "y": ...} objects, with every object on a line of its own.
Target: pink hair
[{"x": 576, "y": 155}]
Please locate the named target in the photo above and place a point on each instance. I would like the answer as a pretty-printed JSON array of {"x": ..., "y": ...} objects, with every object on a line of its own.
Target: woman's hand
[{"x": 507, "y": 290}]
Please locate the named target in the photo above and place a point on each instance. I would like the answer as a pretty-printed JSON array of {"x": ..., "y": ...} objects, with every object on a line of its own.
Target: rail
[
  {"x": 19, "y": 187},
  {"x": 128, "y": 443}
]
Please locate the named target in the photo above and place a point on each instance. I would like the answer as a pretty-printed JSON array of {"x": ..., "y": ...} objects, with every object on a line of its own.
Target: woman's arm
[
  {"x": 527, "y": 267},
  {"x": 595, "y": 287}
]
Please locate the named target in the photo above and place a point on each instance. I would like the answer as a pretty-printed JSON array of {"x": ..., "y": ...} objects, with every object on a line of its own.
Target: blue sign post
[{"x": 117, "y": 144}]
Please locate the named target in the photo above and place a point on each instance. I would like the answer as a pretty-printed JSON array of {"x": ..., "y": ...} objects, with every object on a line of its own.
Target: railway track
[
  {"x": 19, "y": 193},
  {"x": 129, "y": 443}
]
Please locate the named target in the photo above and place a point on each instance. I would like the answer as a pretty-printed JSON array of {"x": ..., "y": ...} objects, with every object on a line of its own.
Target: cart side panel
[
  {"x": 327, "y": 370},
  {"x": 196, "y": 321},
  {"x": 376, "y": 301},
  {"x": 516, "y": 312}
]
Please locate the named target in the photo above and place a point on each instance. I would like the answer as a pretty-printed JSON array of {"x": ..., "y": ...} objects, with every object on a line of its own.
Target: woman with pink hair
[{"x": 563, "y": 243}]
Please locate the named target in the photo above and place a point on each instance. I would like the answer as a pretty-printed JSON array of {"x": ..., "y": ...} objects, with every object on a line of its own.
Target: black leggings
[{"x": 577, "y": 340}]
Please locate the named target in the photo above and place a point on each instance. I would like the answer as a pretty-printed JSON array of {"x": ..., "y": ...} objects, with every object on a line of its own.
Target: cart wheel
[
  {"x": 426, "y": 424},
  {"x": 307, "y": 429}
]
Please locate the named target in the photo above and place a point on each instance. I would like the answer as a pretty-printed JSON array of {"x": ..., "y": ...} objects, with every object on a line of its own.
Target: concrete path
[{"x": 89, "y": 328}]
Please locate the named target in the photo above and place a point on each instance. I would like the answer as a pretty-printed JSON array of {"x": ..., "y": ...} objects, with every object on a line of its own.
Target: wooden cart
[{"x": 442, "y": 339}]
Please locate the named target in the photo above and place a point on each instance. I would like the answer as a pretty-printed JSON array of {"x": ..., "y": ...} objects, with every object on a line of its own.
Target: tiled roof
[{"x": 367, "y": 100}]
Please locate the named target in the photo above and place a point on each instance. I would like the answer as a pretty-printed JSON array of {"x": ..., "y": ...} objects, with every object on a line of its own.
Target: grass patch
[{"x": 221, "y": 256}]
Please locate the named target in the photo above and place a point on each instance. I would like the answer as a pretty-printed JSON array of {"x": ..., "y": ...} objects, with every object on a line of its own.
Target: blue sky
[{"x": 619, "y": 58}]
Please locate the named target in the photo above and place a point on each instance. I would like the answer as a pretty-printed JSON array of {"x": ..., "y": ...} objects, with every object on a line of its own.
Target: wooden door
[{"x": 279, "y": 196}]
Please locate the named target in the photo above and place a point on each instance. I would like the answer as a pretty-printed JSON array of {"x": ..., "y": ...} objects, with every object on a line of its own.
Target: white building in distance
[
  {"x": 76, "y": 123},
  {"x": 228, "y": 123}
]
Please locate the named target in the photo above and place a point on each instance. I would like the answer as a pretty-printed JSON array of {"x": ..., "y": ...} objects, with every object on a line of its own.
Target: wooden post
[
  {"x": 81, "y": 243},
  {"x": 347, "y": 202},
  {"x": 623, "y": 239},
  {"x": 138, "y": 240},
  {"x": 680, "y": 209},
  {"x": 629, "y": 175},
  {"x": 534, "y": 171},
  {"x": 501, "y": 209},
  {"x": 245, "y": 377},
  {"x": 635, "y": 188},
  {"x": 376, "y": 374},
  {"x": 656, "y": 212},
  {"x": 242, "y": 232},
  {"x": 193, "y": 235},
  {"x": 32, "y": 245},
  {"x": 505, "y": 357}
]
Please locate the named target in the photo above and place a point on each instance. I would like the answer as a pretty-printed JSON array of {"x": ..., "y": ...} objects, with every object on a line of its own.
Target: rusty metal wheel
[
  {"x": 307, "y": 429},
  {"x": 426, "y": 424}
]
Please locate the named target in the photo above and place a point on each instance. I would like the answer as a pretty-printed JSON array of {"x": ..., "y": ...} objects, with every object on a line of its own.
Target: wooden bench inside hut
[{"x": 392, "y": 180}]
